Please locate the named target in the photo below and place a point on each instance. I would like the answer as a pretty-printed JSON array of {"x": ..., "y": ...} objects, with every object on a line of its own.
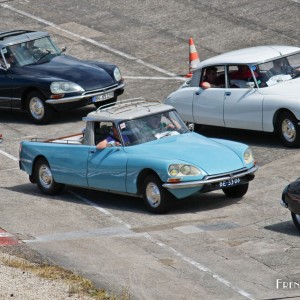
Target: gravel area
[{"x": 24, "y": 285}]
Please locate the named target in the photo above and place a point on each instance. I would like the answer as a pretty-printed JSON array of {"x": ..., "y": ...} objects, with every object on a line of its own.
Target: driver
[
  {"x": 154, "y": 124},
  {"x": 112, "y": 140},
  {"x": 278, "y": 67}
]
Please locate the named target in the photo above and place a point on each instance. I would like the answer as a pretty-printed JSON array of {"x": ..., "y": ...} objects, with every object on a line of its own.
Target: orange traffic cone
[{"x": 194, "y": 60}]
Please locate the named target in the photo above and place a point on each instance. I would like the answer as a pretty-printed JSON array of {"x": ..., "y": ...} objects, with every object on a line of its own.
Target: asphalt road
[{"x": 207, "y": 247}]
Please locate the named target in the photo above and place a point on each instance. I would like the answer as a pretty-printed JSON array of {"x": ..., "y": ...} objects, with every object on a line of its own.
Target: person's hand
[{"x": 170, "y": 126}]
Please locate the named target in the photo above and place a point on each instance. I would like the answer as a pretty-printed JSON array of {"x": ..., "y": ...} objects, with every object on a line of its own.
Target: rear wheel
[
  {"x": 296, "y": 220},
  {"x": 44, "y": 178},
  {"x": 156, "y": 198},
  {"x": 288, "y": 130},
  {"x": 111, "y": 101},
  {"x": 236, "y": 191},
  {"x": 38, "y": 110}
]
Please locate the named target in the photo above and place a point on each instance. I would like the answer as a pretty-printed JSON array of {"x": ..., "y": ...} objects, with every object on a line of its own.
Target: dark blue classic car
[
  {"x": 291, "y": 199},
  {"x": 37, "y": 77}
]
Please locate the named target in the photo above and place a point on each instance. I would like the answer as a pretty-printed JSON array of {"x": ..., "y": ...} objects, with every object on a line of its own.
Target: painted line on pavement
[
  {"x": 120, "y": 231},
  {"x": 8, "y": 155},
  {"x": 101, "y": 209},
  {"x": 201, "y": 267},
  {"x": 172, "y": 250},
  {"x": 154, "y": 78},
  {"x": 91, "y": 41},
  {"x": 7, "y": 239},
  {"x": 12, "y": 169}
]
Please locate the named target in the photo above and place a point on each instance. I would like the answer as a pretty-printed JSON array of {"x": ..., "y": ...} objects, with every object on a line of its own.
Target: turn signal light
[
  {"x": 58, "y": 96},
  {"x": 174, "y": 180}
]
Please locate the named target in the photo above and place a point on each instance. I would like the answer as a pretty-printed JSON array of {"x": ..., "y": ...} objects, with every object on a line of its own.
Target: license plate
[
  {"x": 103, "y": 97},
  {"x": 230, "y": 182}
]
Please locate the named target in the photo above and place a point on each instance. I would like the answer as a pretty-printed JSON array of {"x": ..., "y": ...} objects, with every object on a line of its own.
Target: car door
[
  {"x": 68, "y": 162},
  {"x": 5, "y": 89},
  {"x": 243, "y": 103},
  {"x": 208, "y": 100},
  {"x": 107, "y": 169}
]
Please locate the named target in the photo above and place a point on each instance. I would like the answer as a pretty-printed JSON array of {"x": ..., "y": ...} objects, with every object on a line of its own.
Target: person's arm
[{"x": 102, "y": 144}]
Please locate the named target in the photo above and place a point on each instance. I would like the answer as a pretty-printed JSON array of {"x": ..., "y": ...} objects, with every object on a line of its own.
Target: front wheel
[
  {"x": 296, "y": 220},
  {"x": 44, "y": 178},
  {"x": 236, "y": 191},
  {"x": 111, "y": 101},
  {"x": 38, "y": 110},
  {"x": 288, "y": 130},
  {"x": 156, "y": 198}
]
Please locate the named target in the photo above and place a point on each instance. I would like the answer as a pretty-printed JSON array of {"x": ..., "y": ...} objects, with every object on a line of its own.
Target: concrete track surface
[{"x": 207, "y": 247}]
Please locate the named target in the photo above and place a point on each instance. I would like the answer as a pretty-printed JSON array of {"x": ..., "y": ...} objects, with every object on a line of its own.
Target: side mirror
[
  {"x": 64, "y": 49},
  {"x": 191, "y": 126},
  {"x": 250, "y": 85}
]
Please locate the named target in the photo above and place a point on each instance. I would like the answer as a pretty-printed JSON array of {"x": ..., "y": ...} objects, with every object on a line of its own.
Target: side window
[
  {"x": 102, "y": 130},
  {"x": 239, "y": 75},
  {"x": 213, "y": 77}
]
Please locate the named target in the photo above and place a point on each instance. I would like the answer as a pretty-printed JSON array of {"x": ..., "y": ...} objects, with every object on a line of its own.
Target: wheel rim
[
  {"x": 153, "y": 194},
  {"x": 288, "y": 130},
  {"x": 45, "y": 176},
  {"x": 37, "y": 108}
]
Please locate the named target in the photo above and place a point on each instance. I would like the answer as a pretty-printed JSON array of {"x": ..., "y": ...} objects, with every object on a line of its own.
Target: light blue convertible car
[{"x": 148, "y": 152}]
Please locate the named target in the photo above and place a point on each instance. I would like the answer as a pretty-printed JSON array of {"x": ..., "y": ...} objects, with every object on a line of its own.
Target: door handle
[
  {"x": 198, "y": 92},
  {"x": 227, "y": 93},
  {"x": 92, "y": 151}
]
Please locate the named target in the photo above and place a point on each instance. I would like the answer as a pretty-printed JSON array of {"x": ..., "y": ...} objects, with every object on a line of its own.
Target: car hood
[
  {"x": 211, "y": 156},
  {"x": 290, "y": 88},
  {"x": 87, "y": 75}
]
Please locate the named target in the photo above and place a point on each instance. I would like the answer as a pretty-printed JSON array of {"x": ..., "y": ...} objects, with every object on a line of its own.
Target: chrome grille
[
  {"x": 103, "y": 90},
  {"x": 236, "y": 172}
]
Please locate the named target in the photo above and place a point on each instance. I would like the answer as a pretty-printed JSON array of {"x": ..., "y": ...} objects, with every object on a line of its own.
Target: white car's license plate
[
  {"x": 230, "y": 182},
  {"x": 103, "y": 97}
]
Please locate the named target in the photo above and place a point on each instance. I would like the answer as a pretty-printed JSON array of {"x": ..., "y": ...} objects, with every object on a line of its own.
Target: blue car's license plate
[
  {"x": 103, "y": 97},
  {"x": 229, "y": 183}
]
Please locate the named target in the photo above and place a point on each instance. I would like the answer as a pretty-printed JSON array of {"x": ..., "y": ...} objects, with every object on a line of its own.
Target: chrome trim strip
[
  {"x": 79, "y": 97},
  {"x": 191, "y": 184},
  {"x": 26, "y": 160}
]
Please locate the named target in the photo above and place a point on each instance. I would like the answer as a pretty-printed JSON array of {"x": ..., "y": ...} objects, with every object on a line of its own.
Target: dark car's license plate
[
  {"x": 230, "y": 182},
  {"x": 103, "y": 97}
]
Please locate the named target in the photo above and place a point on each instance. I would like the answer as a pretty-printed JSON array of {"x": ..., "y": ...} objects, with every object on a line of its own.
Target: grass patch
[{"x": 77, "y": 284}]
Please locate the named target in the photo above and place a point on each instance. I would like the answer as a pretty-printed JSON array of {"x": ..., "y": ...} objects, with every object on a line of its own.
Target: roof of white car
[
  {"x": 253, "y": 55},
  {"x": 127, "y": 109}
]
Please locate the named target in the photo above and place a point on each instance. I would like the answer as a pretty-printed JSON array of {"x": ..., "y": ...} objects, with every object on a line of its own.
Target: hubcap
[
  {"x": 37, "y": 108},
  {"x": 153, "y": 194},
  {"x": 288, "y": 130},
  {"x": 45, "y": 176}
]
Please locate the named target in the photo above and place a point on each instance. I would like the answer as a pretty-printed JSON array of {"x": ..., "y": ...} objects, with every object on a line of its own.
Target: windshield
[
  {"x": 32, "y": 52},
  {"x": 279, "y": 70},
  {"x": 152, "y": 127}
]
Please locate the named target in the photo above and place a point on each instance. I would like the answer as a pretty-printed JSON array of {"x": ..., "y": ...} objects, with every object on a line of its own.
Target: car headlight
[
  {"x": 248, "y": 156},
  {"x": 117, "y": 74},
  {"x": 183, "y": 170},
  {"x": 63, "y": 87}
]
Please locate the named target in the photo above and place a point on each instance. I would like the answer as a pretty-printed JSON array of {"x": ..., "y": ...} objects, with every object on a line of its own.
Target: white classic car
[{"x": 254, "y": 88}]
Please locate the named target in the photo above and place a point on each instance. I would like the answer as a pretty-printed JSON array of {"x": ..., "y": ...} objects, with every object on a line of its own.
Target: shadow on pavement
[
  {"x": 286, "y": 227},
  {"x": 196, "y": 203}
]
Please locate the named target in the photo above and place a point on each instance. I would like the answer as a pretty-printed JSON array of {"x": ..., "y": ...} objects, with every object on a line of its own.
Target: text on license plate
[
  {"x": 103, "y": 97},
  {"x": 230, "y": 182}
]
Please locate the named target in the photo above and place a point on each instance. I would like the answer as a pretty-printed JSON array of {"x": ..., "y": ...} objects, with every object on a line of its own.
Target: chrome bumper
[
  {"x": 191, "y": 184},
  {"x": 79, "y": 97}
]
